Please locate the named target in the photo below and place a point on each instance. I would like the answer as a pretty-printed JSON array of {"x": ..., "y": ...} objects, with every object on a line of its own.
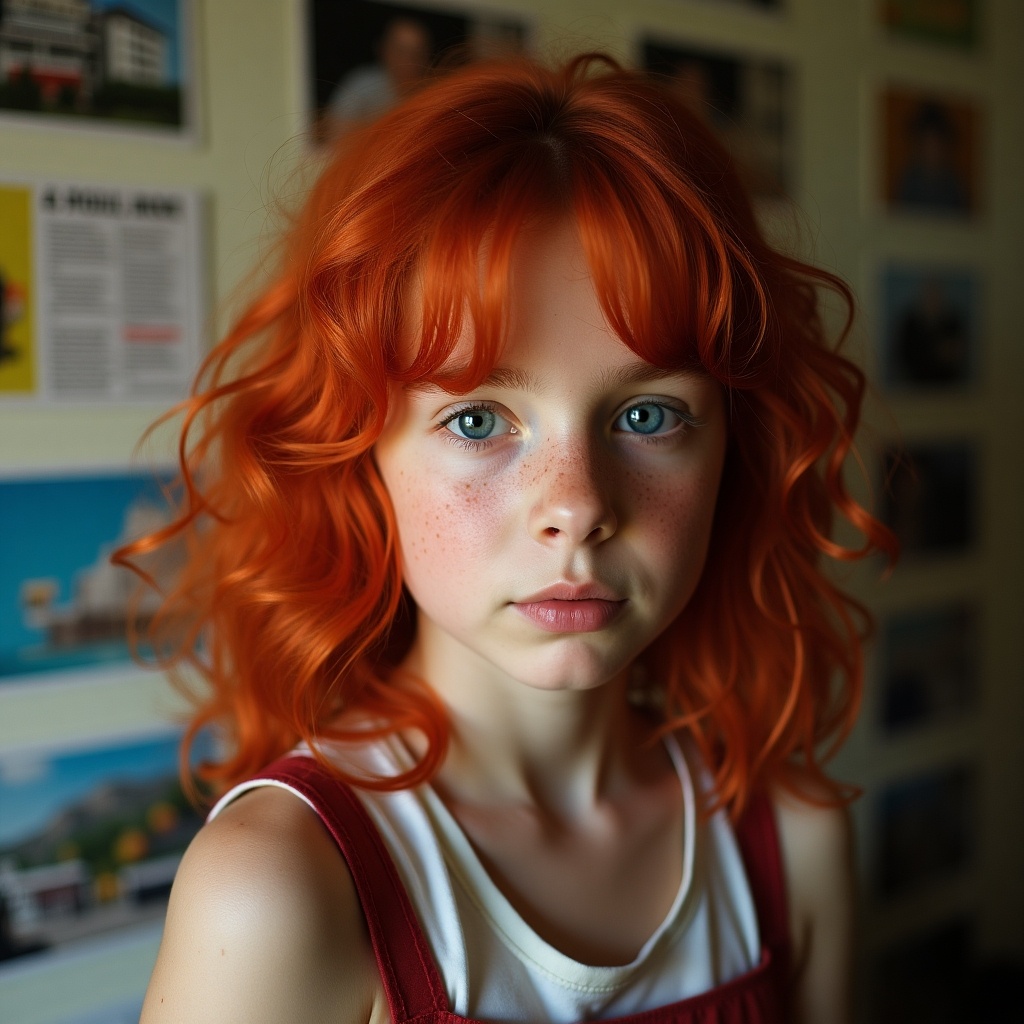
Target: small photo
[
  {"x": 928, "y": 661},
  {"x": 746, "y": 100},
  {"x": 90, "y": 840},
  {"x": 63, "y": 605},
  {"x": 367, "y": 55},
  {"x": 926, "y": 977},
  {"x": 948, "y": 22},
  {"x": 930, "y": 497},
  {"x": 96, "y": 62},
  {"x": 931, "y": 153},
  {"x": 930, "y": 324},
  {"x": 925, "y": 830}
]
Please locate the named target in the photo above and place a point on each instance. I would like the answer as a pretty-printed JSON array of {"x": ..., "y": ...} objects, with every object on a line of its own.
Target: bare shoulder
[
  {"x": 264, "y": 924},
  {"x": 817, "y": 855}
]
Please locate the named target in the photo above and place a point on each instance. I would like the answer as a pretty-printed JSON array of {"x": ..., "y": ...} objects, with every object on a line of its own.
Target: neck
[{"x": 563, "y": 751}]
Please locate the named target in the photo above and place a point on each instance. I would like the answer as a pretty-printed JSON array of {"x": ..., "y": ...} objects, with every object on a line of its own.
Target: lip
[{"x": 571, "y": 608}]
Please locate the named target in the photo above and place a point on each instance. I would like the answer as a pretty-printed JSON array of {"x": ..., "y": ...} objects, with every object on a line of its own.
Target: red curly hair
[{"x": 291, "y": 606}]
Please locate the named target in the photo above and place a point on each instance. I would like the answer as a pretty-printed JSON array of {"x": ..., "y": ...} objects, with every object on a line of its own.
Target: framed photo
[
  {"x": 63, "y": 606},
  {"x": 924, "y": 977},
  {"x": 930, "y": 327},
  {"x": 746, "y": 100},
  {"x": 929, "y": 666},
  {"x": 90, "y": 839},
  {"x": 949, "y": 22},
  {"x": 98, "y": 63},
  {"x": 931, "y": 151},
  {"x": 366, "y": 55},
  {"x": 931, "y": 497},
  {"x": 925, "y": 831}
]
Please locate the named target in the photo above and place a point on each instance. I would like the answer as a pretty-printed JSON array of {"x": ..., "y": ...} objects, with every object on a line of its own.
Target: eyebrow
[{"x": 512, "y": 379}]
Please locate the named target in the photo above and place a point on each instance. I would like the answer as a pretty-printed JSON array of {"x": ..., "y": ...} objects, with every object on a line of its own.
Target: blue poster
[{"x": 63, "y": 605}]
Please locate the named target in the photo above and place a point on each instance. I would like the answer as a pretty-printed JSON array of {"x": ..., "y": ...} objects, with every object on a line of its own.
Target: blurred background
[{"x": 148, "y": 150}]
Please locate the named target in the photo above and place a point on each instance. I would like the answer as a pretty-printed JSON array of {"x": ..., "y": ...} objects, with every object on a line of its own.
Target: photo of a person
[
  {"x": 931, "y": 153},
  {"x": 745, "y": 100},
  {"x": 404, "y": 56},
  {"x": 367, "y": 55},
  {"x": 930, "y": 331}
]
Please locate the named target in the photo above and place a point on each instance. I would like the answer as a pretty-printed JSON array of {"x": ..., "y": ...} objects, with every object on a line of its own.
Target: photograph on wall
[
  {"x": 926, "y": 976},
  {"x": 18, "y": 366},
  {"x": 365, "y": 56},
  {"x": 931, "y": 153},
  {"x": 925, "y": 830},
  {"x": 103, "y": 292},
  {"x": 63, "y": 605},
  {"x": 930, "y": 497},
  {"x": 747, "y": 101},
  {"x": 930, "y": 328},
  {"x": 97, "y": 63},
  {"x": 949, "y": 22},
  {"x": 90, "y": 839},
  {"x": 929, "y": 660}
]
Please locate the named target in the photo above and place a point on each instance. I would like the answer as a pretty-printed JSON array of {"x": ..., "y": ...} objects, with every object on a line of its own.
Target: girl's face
[{"x": 555, "y": 520}]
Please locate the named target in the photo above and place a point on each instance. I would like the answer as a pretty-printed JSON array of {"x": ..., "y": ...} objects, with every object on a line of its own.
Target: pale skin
[{"x": 558, "y": 471}]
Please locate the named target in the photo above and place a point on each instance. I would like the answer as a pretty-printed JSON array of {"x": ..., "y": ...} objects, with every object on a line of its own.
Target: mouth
[{"x": 569, "y": 608}]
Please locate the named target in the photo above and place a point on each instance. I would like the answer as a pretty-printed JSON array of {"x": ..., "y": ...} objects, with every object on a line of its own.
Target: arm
[
  {"x": 264, "y": 925},
  {"x": 817, "y": 853}
]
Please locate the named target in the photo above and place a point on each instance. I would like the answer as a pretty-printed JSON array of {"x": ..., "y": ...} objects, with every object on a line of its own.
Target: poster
[
  {"x": 97, "y": 63},
  {"x": 946, "y": 22},
  {"x": 90, "y": 839},
  {"x": 931, "y": 326},
  {"x": 931, "y": 149},
  {"x": 63, "y": 605},
  {"x": 926, "y": 829},
  {"x": 929, "y": 661},
  {"x": 101, "y": 292},
  {"x": 745, "y": 100},
  {"x": 930, "y": 497}
]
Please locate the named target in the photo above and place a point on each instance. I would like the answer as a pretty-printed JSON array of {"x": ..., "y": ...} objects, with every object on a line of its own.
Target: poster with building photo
[
  {"x": 931, "y": 153},
  {"x": 366, "y": 55},
  {"x": 89, "y": 63},
  {"x": 929, "y": 659},
  {"x": 63, "y": 606},
  {"x": 102, "y": 292},
  {"x": 90, "y": 839},
  {"x": 930, "y": 337},
  {"x": 746, "y": 100}
]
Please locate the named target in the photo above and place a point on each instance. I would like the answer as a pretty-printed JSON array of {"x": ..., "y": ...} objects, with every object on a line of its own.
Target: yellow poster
[{"x": 17, "y": 329}]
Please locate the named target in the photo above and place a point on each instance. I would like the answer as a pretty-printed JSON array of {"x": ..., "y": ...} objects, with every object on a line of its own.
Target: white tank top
[{"x": 495, "y": 967}]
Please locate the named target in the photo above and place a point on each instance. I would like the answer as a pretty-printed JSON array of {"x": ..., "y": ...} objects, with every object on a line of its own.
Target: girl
[{"x": 505, "y": 504}]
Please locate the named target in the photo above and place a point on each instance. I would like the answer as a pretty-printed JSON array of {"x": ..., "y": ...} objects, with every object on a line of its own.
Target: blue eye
[
  {"x": 646, "y": 418},
  {"x": 473, "y": 424}
]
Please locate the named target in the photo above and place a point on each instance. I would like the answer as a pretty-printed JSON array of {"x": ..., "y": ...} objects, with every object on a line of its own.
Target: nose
[{"x": 572, "y": 499}]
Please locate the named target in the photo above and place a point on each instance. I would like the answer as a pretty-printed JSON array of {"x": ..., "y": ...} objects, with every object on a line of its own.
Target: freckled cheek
[
  {"x": 445, "y": 532},
  {"x": 673, "y": 517}
]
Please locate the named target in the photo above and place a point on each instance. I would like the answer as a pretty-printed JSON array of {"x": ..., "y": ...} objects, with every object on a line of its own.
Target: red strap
[
  {"x": 410, "y": 976},
  {"x": 758, "y": 840}
]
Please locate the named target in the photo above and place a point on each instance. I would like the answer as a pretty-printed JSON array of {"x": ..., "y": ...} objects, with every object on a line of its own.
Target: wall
[{"x": 248, "y": 63}]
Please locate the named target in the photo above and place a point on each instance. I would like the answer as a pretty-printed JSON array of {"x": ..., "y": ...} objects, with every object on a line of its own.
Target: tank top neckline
[{"x": 508, "y": 924}]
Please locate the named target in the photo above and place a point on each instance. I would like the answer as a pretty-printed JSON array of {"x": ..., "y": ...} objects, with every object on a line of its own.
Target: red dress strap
[
  {"x": 758, "y": 838},
  {"x": 410, "y": 976}
]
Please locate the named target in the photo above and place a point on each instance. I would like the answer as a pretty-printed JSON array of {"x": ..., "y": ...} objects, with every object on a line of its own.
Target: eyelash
[{"x": 474, "y": 445}]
